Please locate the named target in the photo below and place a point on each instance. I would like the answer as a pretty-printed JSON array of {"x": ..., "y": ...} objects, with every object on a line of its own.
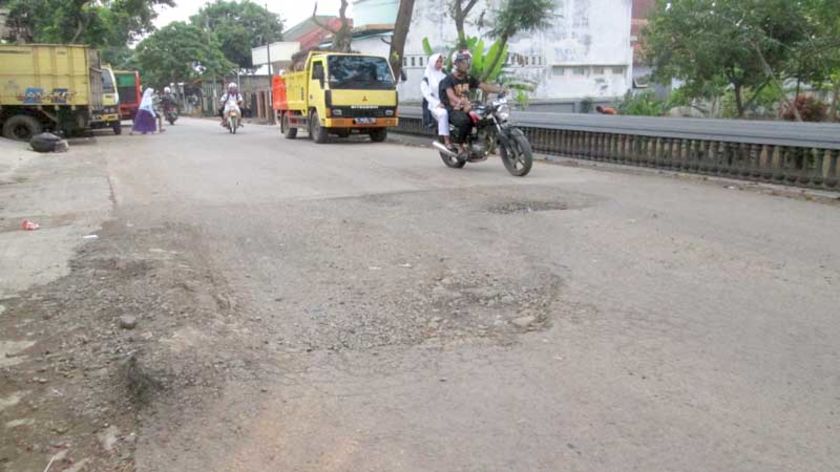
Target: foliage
[
  {"x": 238, "y": 27},
  {"x": 587, "y": 105},
  {"x": 99, "y": 23},
  {"x": 716, "y": 44},
  {"x": 810, "y": 109},
  {"x": 642, "y": 104},
  {"x": 180, "y": 52},
  {"x": 514, "y": 17}
]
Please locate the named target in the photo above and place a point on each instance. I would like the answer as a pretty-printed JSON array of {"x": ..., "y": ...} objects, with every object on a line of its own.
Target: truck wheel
[
  {"x": 21, "y": 127},
  {"x": 288, "y": 131},
  {"x": 379, "y": 134},
  {"x": 318, "y": 132}
]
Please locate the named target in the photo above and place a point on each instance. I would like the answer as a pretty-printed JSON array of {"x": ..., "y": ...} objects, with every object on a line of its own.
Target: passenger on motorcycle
[
  {"x": 231, "y": 100},
  {"x": 430, "y": 88},
  {"x": 454, "y": 94}
]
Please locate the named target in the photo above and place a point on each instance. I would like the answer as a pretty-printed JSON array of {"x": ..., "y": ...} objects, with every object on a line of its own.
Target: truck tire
[
  {"x": 379, "y": 134},
  {"x": 21, "y": 128},
  {"x": 318, "y": 132},
  {"x": 288, "y": 131}
]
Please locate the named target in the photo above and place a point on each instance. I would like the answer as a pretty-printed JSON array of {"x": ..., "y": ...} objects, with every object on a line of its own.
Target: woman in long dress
[
  {"x": 429, "y": 87},
  {"x": 144, "y": 121}
]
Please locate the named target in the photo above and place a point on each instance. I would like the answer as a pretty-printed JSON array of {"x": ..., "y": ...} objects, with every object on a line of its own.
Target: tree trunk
[
  {"x": 404, "y": 13},
  {"x": 343, "y": 38},
  {"x": 459, "y": 14},
  {"x": 739, "y": 100},
  {"x": 835, "y": 97}
]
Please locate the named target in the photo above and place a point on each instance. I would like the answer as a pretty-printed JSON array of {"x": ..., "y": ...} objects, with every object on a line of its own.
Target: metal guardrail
[{"x": 801, "y": 154}]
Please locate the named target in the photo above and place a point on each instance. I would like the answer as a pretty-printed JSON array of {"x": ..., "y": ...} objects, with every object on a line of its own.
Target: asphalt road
[{"x": 387, "y": 313}]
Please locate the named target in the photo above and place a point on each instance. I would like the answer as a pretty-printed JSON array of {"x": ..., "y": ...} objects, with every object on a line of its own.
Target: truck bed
[{"x": 49, "y": 75}]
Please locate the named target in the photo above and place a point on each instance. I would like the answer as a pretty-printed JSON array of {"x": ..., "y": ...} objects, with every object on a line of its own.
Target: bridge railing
[{"x": 801, "y": 154}]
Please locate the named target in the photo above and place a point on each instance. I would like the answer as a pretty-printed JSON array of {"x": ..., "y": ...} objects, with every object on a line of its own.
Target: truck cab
[
  {"x": 339, "y": 94},
  {"x": 108, "y": 115}
]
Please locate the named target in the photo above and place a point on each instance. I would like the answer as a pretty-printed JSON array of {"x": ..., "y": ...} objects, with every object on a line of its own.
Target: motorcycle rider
[
  {"x": 454, "y": 95},
  {"x": 231, "y": 100},
  {"x": 167, "y": 100}
]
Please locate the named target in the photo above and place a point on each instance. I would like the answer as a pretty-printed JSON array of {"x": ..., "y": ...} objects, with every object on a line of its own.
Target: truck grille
[{"x": 363, "y": 112}]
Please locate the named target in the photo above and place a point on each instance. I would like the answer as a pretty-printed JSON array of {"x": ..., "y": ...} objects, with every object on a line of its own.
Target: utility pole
[{"x": 270, "y": 109}]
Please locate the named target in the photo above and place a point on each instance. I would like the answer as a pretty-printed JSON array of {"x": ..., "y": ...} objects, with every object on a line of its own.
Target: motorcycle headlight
[{"x": 503, "y": 112}]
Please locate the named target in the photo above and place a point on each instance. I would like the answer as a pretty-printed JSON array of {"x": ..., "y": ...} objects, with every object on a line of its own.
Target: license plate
[{"x": 365, "y": 121}]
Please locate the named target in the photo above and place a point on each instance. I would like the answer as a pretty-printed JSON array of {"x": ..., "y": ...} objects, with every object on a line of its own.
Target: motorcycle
[
  {"x": 491, "y": 131},
  {"x": 171, "y": 114},
  {"x": 233, "y": 120}
]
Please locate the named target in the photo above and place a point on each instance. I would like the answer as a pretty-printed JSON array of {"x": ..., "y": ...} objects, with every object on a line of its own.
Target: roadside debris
[
  {"x": 128, "y": 322},
  {"x": 48, "y": 142},
  {"x": 90, "y": 236},
  {"x": 28, "y": 225}
]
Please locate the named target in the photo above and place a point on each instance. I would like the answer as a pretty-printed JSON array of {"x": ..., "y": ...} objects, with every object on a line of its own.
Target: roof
[{"x": 306, "y": 26}]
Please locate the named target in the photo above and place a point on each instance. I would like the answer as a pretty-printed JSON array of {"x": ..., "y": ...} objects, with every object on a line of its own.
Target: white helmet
[
  {"x": 167, "y": 90},
  {"x": 232, "y": 85}
]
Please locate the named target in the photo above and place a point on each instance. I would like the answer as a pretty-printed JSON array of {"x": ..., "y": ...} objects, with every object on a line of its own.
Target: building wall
[
  {"x": 586, "y": 54},
  {"x": 374, "y": 12}
]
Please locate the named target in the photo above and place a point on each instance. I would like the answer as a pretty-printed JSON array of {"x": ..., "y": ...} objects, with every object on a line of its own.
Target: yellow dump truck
[
  {"x": 337, "y": 93},
  {"x": 48, "y": 87}
]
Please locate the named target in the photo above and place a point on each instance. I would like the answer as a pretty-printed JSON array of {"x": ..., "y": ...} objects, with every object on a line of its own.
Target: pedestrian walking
[{"x": 144, "y": 121}]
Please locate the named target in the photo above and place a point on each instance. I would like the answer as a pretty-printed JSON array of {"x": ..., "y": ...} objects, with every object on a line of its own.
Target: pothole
[{"x": 527, "y": 206}]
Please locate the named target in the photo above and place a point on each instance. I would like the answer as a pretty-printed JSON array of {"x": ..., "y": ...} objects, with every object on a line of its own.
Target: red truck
[{"x": 129, "y": 88}]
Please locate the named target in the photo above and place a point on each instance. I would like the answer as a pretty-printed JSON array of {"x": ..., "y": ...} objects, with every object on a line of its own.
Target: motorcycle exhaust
[{"x": 440, "y": 147}]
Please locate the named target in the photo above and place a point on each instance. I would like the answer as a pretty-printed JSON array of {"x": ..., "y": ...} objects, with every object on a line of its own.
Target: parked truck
[
  {"x": 48, "y": 87},
  {"x": 337, "y": 93},
  {"x": 129, "y": 88},
  {"x": 108, "y": 116}
]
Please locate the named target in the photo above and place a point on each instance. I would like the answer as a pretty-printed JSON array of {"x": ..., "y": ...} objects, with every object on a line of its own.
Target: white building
[{"x": 587, "y": 53}]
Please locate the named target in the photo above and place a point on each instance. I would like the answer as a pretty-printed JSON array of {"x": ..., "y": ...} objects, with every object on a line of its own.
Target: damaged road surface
[{"x": 253, "y": 303}]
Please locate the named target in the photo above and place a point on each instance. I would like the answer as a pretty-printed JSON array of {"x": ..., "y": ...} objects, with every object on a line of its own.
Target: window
[
  {"x": 318, "y": 72},
  {"x": 413, "y": 59},
  {"x": 598, "y": 70},
  {"x": 579, "y": 71},
  {"x": 360, "y": 72},
  {"x": 618, "y": 70},
  {"x": 558, "y": 71},
  {"x": 405, "y": 62},
  {"x": 420, "y": 59},
  {"x": 527, "y": 60}
]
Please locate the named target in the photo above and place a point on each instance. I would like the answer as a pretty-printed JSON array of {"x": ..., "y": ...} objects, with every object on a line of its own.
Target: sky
[{"x": 292, "y": 11}]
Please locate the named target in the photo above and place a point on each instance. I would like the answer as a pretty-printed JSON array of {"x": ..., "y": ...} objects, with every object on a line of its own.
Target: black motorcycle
[
  {"x": 490, "y": 131},
  {"x": 170, "y": 112}
]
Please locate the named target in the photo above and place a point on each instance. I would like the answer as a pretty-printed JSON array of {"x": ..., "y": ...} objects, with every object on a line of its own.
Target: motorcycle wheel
[
  {"x": 517, "y": 155},
  {"x": 232, "y": 124},
  {"x": 453, "y": 162}
]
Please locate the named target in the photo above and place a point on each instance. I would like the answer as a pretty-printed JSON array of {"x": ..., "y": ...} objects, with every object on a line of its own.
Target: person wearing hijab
[
  {"x": 144, "y": 121},
  {"x": 429, "y": 87}
]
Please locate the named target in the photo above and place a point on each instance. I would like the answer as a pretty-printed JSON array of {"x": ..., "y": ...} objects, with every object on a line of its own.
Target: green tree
[
  {"x": 715, "y": 44},
  {"x": 180, "y": 52},
  {"x": 514, "y": 17},
  {"x": 238, "y": 27},
  {"x": 99, "y": 23}
]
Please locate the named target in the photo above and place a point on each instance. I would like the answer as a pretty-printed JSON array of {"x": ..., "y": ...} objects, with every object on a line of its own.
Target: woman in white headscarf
[
  {"x": 144, "y": 121},
  {"x": 429, "y": 87}
]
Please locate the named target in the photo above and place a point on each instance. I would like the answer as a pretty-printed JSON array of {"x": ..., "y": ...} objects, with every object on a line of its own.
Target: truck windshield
[
  {"x": 108, "y": 82},
  {"x": 360, "y": 72}
]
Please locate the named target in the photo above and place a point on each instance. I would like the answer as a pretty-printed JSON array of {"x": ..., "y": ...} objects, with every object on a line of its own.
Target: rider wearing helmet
[
  {"x": 454, "y": 94},
  {"x": 231, "y": 100}
]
